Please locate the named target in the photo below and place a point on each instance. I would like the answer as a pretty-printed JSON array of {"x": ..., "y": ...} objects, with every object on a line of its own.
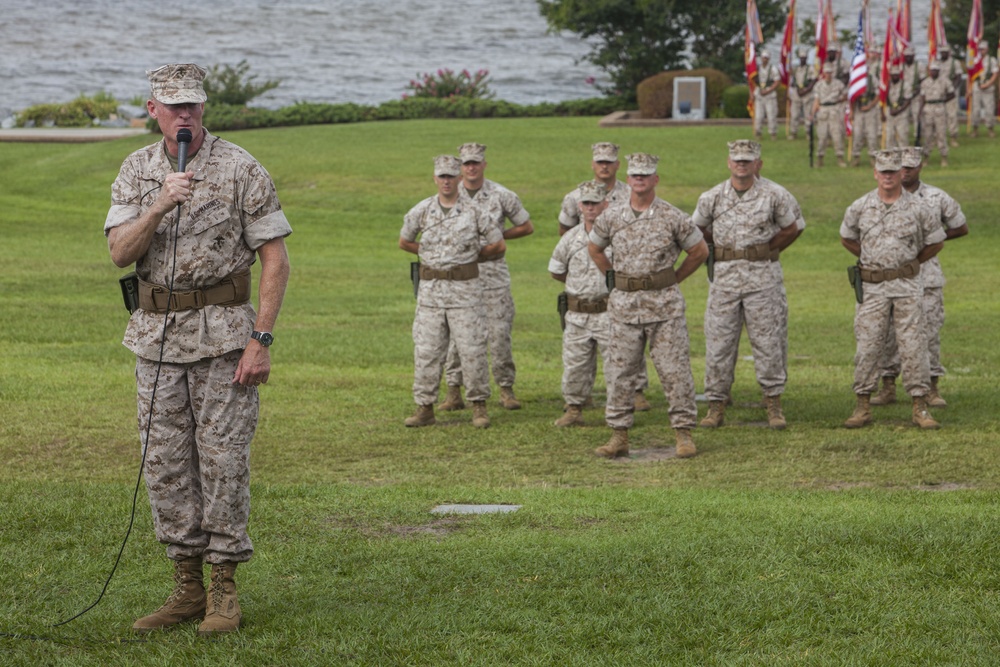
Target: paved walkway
[{"x": 65, "y": 135}]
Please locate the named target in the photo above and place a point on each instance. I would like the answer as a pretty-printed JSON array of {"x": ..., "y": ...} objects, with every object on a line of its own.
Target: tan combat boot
[
  {"x": 921, "y": 416},
  {"x": 223, "y": 612},
  {"x": 862, "y": 415},
  {"x": 887, "y": 394},
  {"x": 716, "y": 415},
  {"x": 856, "y": 162},
  {"x": 934, "y": 399},
  {"x": 641, "y": 402},
  {"x": 453, "y": 400},
  {"x": 479, "y": 417},
  {"x": 616, "y": 446},
  {"x": 508, "y": 400},
  {"x": 187, "y": 600},
  {"x": 424, "y": 416},
  {"x": 572, "y": 417},
  {"x": 775, "y": 418},
  {"x": 840, "y": 162},
  {"x": 685, "y": 445},
  {"x": 819, "y": 161}
]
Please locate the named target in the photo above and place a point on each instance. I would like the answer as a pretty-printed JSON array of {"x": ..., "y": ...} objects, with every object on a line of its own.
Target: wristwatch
[{"x": 263, "y": 337}]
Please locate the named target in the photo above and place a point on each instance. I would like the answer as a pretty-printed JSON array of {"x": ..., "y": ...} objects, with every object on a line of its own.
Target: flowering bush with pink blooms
[{"x": 446, "y": 84}]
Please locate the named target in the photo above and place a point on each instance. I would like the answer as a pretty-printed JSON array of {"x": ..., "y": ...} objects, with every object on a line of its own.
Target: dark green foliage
[
  {"x": 635, "y": 39},
  {"x": 226, "y": 84},
  {"x": 734, "y": 101},
  {"x": 81, "y": 112}
]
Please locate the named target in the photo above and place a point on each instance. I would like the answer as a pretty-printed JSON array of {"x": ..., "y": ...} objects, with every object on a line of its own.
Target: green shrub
[
  {"x": 734, "y": 101},
  {"x": 446, "y": 84},
  {"x": 226, "y": 84},
  {"x": 656, "y": 94},
  {"x": 81, "y": 112}
]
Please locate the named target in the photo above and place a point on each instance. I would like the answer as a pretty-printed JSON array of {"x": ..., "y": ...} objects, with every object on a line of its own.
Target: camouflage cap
[
  {"x": 744, "y": 150},
  {"x": 593, "y": 191},
  {"x": 764, "y": 53},
  {"x": 177, "y": 84},
  {"x": 888, "y": 160},
  {"x": 802, "y": 52},
  {"x": 983, "y": 44},
  {"x": 895, "y": 69},
  {"x": 934, "y": 64},
  {"x": 447, "y": 165},
  {"x": 828, "y": 68},
  {"x": 909, "y": 51},
  {"x": 472, "y": 153},
  {"x": 945, "y": 49},
  {"x": 641, "y": 164},
  {"x": 912, "y": 156},
  {"x": 605, "y": 151}
]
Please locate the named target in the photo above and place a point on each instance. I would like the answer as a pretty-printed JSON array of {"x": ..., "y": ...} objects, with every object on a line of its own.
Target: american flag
[{"x": 859, "y": 64}]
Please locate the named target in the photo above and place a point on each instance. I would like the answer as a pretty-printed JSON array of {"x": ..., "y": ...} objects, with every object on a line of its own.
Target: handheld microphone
[{"x": 183, "y": 141}]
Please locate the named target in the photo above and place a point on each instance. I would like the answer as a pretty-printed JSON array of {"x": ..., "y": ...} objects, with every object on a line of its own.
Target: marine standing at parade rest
[
  {"x": 200, "y": 347},
  {"x": 867, "y": 120},
  {"x": 646, "y": 305},
  {"x": 951, "y": 69},
  {"x": 800, "y": 93},
  {"x": 587, "y": 327},
  {"x": 893, "y": 233},
  {"x": 605, "y": 166},
  {"x": 746, "y": 223},
  {"x": 828, "y": 109},
  {"x": 451, "y": 236},
  {"x": 897, "y": 123},
  {"x": 935, "y": 92},
  {"x": 949, "y": 214},
  {"x": 984, "y": 92},
  {"x": 500, "y": 205},
  {"x": 766, "y": 96}
]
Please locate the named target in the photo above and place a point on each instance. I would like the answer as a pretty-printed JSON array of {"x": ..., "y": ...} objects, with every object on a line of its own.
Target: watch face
[{"x": 265, "y": 338}]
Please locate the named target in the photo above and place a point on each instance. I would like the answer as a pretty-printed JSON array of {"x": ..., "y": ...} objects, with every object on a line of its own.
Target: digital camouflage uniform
[
  {"x": 911, "y": 75},
  {"x": 450, "y": 313},
  {"x": 642, "y": 246},
  {"x": 198, "y": 449},
  {"x": 951, "y": 69},
  {"x": 984, "y": 102},
  {"x": 867, "y": 124},
  {"x": 801, "y": 105},
  {"x": 569, "y": 214},
  {"x": 498, "y": 204},
  {"x": 934, "y": 118},
  {"x": 949, "y": 215},
  {"x": 766, "y": 106},
  {"x": 830, "y": 116},
  {"x": 744, "y": 291},
  {"x": 897, "y": 127},
  {"x": 585, "y": 333},
  {"x": 891, "y": 236}
]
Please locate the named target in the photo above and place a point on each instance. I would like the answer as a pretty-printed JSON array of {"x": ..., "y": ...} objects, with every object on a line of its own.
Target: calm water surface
[{"x": 332, "y": 51}]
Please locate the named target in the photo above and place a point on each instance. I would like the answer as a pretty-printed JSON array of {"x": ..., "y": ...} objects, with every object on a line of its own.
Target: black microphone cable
[{"x": 183, "y": 140}]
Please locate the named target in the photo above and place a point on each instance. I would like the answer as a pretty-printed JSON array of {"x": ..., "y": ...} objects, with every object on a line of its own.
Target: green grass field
[{"x": 812, "y": 546}]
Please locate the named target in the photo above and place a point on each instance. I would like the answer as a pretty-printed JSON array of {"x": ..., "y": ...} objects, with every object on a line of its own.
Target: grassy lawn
[{"x": 816, "y": 545}]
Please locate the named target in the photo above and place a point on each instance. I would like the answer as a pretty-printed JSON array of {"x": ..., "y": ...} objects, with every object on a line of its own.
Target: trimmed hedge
[
  {"x": 656, "y": 94},
  {"x": 734, "y": 101}
]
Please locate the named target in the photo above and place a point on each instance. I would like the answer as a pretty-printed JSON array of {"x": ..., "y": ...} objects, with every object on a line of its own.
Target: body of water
[{"x": 332, "y": 51}]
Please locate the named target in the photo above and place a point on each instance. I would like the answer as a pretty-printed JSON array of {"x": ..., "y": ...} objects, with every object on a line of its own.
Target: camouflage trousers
[
  {"x": 873, "y": 320},
  {"x": 951, "y": 114},
  {"x": 934, "y": 129},
  {"x": 198, "y": 456},
  {"x": 801, "y": 107},
  {"x": 765, "y": 107},
  {"x": 581, "y": 343},
  {"x": 984, "y": 105},
  {"x": 765, "y": 315},
  {"x": 933, "y": 304},
  {"x": 867, "y": 131},
  {"x": 500, "y": 325},
  {"x": 669, "y": 349},
  {"x": 897, "y": 130},
  {"x": 434, "y": 329},
  {"x": 830, "y": 127}
]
